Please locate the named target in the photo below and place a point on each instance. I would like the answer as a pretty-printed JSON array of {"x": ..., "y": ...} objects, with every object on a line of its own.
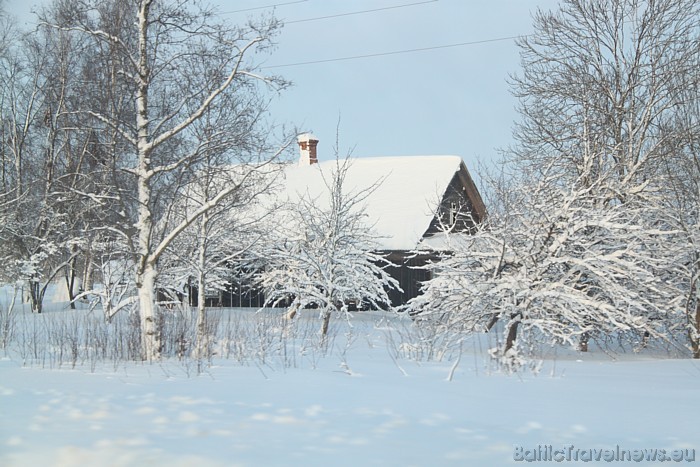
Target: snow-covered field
[{"x": 356, "y": 405}]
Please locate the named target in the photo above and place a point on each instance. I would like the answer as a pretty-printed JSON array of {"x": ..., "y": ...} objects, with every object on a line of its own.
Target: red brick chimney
[{"x": 307, "y": 149}]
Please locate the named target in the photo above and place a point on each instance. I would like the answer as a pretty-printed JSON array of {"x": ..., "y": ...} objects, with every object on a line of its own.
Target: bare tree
[
  {"x": 324, "y": 253},
  {"x": 174, "y": 63},
  {"x": 554, "y": 267},
  {"x": 218, "y": 246},
  {"x": 41, "y": 220},
  {"x": 682, "y": 204},
  {"x": 601, "y": 90},
  {"x": 583, "y": 245},
  {"x": 600, "y": 85}
]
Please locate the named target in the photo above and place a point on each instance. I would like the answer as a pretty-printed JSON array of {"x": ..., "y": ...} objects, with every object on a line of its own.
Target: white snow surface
[
  {"x": 356, "y": 406},
  {"x": 403, "y": 204},
  {"x": 363, "y": 403},
  {"x": 237, "y": 416}
]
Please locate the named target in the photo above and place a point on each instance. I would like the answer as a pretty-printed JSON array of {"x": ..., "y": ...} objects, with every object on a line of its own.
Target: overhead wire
[
  {"x": 350, "y": 13},
  {"x": 396, "y": 52},
  {"x": 381, "y": 54},
  {"x": 263, "y": 7},
  {"x": 338, "y": 15},
  {"x": 359, "y": 12}
]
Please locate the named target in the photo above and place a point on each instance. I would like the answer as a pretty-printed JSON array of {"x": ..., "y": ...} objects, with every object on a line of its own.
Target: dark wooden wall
[{"x": 410, "y": 274}]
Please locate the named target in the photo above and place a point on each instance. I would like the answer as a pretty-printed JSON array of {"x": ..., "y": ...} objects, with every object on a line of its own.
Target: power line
[
  {"x": 396, "y": 52},
  {"x": 360, "y": 12},
  {"x": 263, "y": 7}
]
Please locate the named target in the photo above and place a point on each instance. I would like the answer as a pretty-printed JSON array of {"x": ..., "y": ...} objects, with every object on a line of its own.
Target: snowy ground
[{"x": 354, "y": 407}]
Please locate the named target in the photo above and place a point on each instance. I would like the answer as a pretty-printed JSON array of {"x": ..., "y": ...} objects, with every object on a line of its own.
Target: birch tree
[
  {"x": 175, "y": 62},
  {"x": 40, "y": 218},
  {"x": 605, "y": 92}
]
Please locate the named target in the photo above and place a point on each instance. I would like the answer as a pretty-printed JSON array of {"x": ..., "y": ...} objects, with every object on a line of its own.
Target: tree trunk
[
  {"x": 35, "y": 296},
  {"x": 87, "y": 272},
  {"x": 585, "y": 335},
  {"x": 146, "y": 278},
  {"x": 512, "y": 333},
  {"x": 146, "y": 270},
  {"x": 202, "y": 348},
  {"x": 202, "y": 345},
  {"x": 291, "y": 312},
  {"x": 492, "y": 322},
  {"x": 695, "y": 332},
  {"x": 150, "y": 334},
  {"x": 326, "y": 318},
  {"x": 70, "y": 281},
  {"x": 7, "y": 320},
  {"x": 583, "y": 342}
]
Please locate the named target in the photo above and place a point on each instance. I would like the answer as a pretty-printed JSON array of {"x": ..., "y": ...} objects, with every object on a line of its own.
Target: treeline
[{"x": 109, "y": 112}]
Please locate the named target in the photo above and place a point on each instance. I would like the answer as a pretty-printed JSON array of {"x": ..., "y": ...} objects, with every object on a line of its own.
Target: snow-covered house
[
  {"x": 416, "y": 198},
  {"x": 412, "y": 200}
]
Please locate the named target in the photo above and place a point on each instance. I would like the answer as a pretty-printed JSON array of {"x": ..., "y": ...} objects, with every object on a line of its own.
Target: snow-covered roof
[{"x": 403, "y": 204}]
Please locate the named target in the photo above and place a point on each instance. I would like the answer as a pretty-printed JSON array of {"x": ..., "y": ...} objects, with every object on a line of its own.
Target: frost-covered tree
[
  {"x": 217, "y": 247},
  {"x": 41, "y": 228},
  {"x": 605, "y": 78},
  {"x": 605, "y": 94},
  {"x": 600, "y": 91},
  {"x": 324, "y": 253},
  {"x": 174, "y": 62},
  {"x": 555, "y": 266},
  {"x": 116, "y": 290},
  {"x": 682, "y": 203}
]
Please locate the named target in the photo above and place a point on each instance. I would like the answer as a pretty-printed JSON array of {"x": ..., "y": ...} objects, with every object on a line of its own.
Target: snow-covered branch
[{"x": 206, "y": 103}]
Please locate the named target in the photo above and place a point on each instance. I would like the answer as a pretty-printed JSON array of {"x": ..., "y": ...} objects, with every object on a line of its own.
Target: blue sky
[{"x": 444, "y": 101}]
